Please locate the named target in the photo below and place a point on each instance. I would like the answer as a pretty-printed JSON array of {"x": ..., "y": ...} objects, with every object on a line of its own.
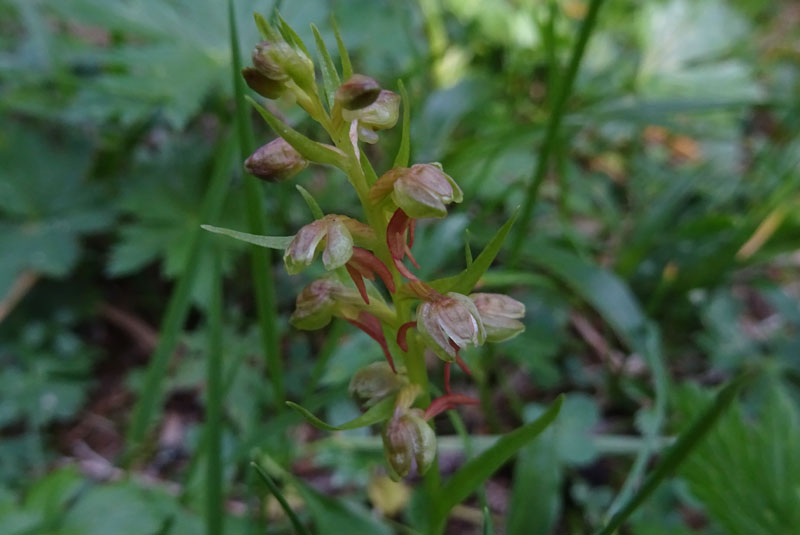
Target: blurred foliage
[{"x": 673, "y": 201}]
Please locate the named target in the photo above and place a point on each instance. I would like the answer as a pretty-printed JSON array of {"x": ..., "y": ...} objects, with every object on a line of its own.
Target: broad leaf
[{"x": 271, "y": 242}]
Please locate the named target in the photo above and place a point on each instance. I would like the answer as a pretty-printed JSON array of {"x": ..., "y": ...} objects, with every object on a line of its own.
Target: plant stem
[
  {"x": 214, "y": 496},
  {"x": 171, "y": 327},
  {"x": 261, "y": 258},
  {"x": 562, "y": 93}
]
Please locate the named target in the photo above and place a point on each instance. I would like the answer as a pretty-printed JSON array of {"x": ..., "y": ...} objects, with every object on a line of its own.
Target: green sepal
[
  {"x": 308, "y": 148},
  {"x": 379, "y": 412},
  {"x": 270, "y": 242}
]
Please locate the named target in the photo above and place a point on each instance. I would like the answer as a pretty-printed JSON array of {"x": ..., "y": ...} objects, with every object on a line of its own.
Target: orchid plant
[{"x": 408, "y": 316}]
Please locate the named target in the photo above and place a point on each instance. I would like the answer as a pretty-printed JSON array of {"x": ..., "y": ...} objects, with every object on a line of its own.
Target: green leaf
[
  {"x": 465, "y": 281},
  {"x": 616, "y": 304},
  {"x": 347, "y": 67},
  {"x": 299, "y": 528},
  {"x": 330, "y": 78},
  {"x": 488, "y": 523},
  {"x": 309, "y": 149},
  {"x": 312, "y": 203},
  {"x": 290, "y": 35},
  {"x": 476, "y": 471},
  {"x": 377, "y": 413},
  {"x": 686, "y": 442},
  {"x": 266, "y": 31},
  {"x": 271, "y": 242},
  {"x": 404, "y": 151}
]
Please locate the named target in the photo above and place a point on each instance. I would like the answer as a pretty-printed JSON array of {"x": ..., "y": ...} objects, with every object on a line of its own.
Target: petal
[{"x": 339, "y": 247}]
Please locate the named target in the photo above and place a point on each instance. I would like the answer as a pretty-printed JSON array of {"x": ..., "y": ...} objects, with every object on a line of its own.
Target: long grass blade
[
  {"x": 563, "y": 91},
  {"x": 214, "y": 511},
  {"x": 148, "y": 402},
  {"x": 261, "y": 258},
  {"x": 299, "y": 528},
  {"x": 679, "y": 451}
]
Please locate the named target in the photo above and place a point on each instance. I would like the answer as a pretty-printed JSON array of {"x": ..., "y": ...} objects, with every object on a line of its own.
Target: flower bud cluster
[{"x": 358, "y": 254}]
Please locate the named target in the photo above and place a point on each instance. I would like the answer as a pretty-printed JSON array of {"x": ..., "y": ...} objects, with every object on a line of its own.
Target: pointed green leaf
[
  {"x": 312, "y": 203},
  {"x": 404, "y": 152},
  {"x": 467, "y": 249},
  {"x": 465, "y": 281},
  {"x": 271, "y": 242},
  {"x": 369, "y": 171},
  {"x": 308, "y": 148},
  {"x": 677, "y": 453},
  {"x": 377, "y": 413},
  {"x": 266, "y": 31},
  {"x": 290, "y": 36},
  {"x": 330, "y": 78},
  {"x": 488, "y": 523},
  {"x": 347, "y": 67},
  {"x": 299, "y": 528},
  {"x": 476, "y": 471}
]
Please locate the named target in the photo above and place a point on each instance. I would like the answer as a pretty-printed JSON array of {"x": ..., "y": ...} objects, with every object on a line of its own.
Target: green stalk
[
  {"x": 214, "y": 512},
  {"x": 562, "y": 93},
  {"x": 147, "y": 404},
  {"x": 261, "y": 258}
]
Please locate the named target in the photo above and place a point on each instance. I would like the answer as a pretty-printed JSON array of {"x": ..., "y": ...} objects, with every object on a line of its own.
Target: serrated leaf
[
  {"x": 309, "y": 149},
  {"x": 379, "y": 412},
  {"x": 465, "y": 281},
  {"x": 270, "y": 242},
  {"x": 476, "y": 471},
  {"x": 404, "y": 151},
  {"x": 685, "y": 444},
  {"x": 330, "y": 78},
  {"x": 312, "y": 203}
]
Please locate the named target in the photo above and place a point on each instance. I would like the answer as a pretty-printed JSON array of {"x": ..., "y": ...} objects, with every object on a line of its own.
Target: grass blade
[
  {"x": 148, "y": 402},
  {"x": 377, "y": 413},
  {"x": 677, "y": 453},
  {"x": 270, "y": 242},
  {"x": 344, "y": 56},
  {"x": 299, "y": 528},
  {"x": 261, "y": 258},
  {"x": 330, "y": 78},
  {"x": 404, "y": 151},
  {"x": 290, "y": 35},
  {"x": 551, "y": 134},
  {"x": 214, "y": 511},
  {"x": 476, "y": 471}
]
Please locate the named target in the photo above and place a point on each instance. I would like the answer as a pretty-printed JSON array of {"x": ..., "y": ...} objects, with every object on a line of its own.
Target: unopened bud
[
  {"x": 266, "y": 87},
  {"x": 448, "y": 323},
  {"x": 357, "y": 92},
  {"x": 500, "y": 315},
  {"x": 319, "y": 302},
  {"x": 375, "y": 382},
  {"x": 329, "y": 233},
  {"x": 276, "y": 161},
  {"x": 280, "y": 61},
  {"x": 409, "y": 441},
  {"x": 422, "y": 190}
]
